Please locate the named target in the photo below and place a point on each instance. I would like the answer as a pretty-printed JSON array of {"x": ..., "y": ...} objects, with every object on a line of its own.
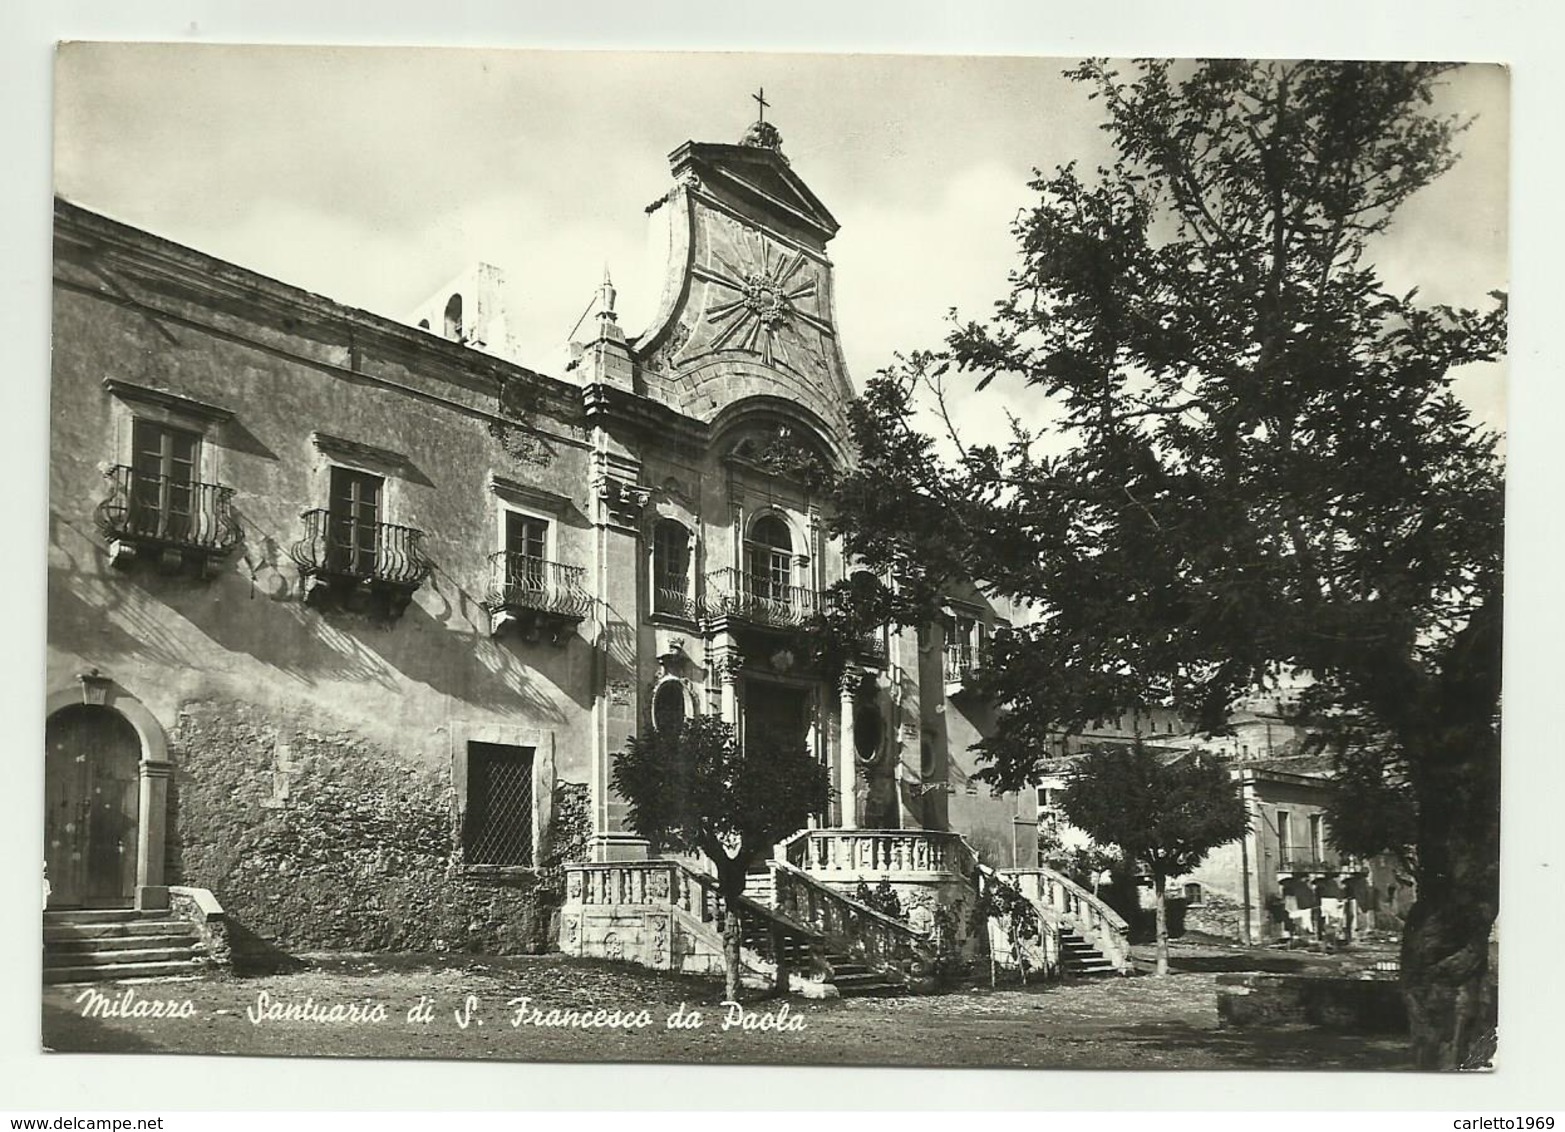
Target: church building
[{"x": 349, "y": 617}]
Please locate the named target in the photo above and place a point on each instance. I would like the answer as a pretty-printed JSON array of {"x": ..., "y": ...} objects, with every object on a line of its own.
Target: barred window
[{"x": 499, "y": 825}]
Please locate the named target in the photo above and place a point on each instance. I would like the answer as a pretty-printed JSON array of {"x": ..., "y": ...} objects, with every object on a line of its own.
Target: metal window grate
[{"x": 499, "y": 828}]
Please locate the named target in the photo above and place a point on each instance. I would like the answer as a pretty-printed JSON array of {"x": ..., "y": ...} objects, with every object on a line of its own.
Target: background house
[{"x": 1284, "y": 881}]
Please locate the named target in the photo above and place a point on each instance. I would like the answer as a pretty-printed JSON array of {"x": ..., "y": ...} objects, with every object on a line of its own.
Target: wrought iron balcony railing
[
  {"x": 671, "y": 597},
  {"x": 871, "y": 647},
  {"x": 162, "y": 514},
  {"x": 960, "y": 664},
  {"x": 335, "y": 547},
  {"x": 758, "y": 599},
  {"x": 1317, "y": 861},
  {"x": 521, "y": 581}
]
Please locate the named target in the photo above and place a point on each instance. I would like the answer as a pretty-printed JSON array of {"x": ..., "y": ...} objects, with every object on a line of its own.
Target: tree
[
  {"x": 1163, "y": 815},
  {"x": 1253, "y": 464},
  {"x": 697, "y": 790}
]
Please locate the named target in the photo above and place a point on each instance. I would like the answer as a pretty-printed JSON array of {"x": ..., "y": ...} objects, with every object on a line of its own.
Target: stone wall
[
  {"x": 1216, "y": 916},
  {"x": 1354, "y": 1005},
  {"x": 348, "y": 845}
]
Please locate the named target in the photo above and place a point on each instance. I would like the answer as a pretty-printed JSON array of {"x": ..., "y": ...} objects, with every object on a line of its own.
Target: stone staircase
[
  {"x": 1080, "y": 958},
  {"x": 851, "y": 977},
  {"x": 95, "y": 946},
  {"x": 1093, "y": 938}
]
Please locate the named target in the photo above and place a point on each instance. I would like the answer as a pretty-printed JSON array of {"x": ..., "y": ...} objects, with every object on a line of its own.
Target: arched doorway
[{"x": 92, "y": 773}]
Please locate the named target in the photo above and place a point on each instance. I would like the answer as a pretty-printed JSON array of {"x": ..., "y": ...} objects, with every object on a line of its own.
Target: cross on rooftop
[{"x": 760, "y": 98}]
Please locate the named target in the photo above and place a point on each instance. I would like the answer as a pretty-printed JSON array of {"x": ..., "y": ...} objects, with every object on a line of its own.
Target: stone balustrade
[
  {"x": 847, "y": 854},
  {"x": 852, "y": 928},
  {"x": 640, "y": 882},
  {"x": 1071, "y": 906}
]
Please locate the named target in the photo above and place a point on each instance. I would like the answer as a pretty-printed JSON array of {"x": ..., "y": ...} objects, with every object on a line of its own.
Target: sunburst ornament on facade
[{"x": 764, "y": 303}]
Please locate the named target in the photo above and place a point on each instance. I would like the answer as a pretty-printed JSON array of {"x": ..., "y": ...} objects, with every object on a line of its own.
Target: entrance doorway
[
  {"x": 776, "y": 713},
  {"x": 92, "y": 782}
]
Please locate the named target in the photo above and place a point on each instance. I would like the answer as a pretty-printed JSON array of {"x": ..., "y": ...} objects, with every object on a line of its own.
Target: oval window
[{"x": 868, "y": 729}]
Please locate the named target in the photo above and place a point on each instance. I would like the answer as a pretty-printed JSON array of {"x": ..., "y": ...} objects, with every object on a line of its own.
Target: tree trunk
[
  {"x": 733, "y": 937},
  {"x": 780, "y": 961},
  {"x": 1160, "y": 902},
  {"x": 730, "y": 881},
  {"x": 1445, "y": 942},
  {"x": 1453, "y": 760}
]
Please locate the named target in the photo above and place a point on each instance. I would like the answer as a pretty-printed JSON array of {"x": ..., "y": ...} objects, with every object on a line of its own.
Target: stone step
[
  {"x": 850, "y": 968},
  {"x": 872, "y": 988},
  {"x": 69, "y": 945},
  {"x": 114, "y": 958},
  {"x": 96, "y": 915},
  {"x": 127, "y": 930},
  {"x": 98, "y": 974},
  {"x": 1090, "y": 967}
]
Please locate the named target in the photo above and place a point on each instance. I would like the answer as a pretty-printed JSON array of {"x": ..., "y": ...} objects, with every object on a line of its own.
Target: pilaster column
[
  {"x": 616, "y": 502},
  {"x": 847, "y": 759},
  {"x": 729, "y": 662},
  {"x": 151, "y": 834},
  {"x": 1255, "y": 880}
]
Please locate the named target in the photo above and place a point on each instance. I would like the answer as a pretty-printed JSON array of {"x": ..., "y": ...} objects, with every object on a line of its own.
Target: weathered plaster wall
[
  {"x": 237, "y": 667},
  {"x": 319, "y": 839}
]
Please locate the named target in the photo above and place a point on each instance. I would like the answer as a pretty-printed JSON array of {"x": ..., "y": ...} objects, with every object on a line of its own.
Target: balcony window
[
  {"x": 354, "y": 544},
  {"x": 533, "y": 594},
  {"x": 671, "y": 570},
  {"x": 158, "y": 506},
  {"x": 163, "y": 480},
  {"x": 763, "y": 592},
  {"x": 350, "y": 558},
  {"x": 966, "y": 641},
  {"x": 769, "y": 557},
  {"x": 526, "y": 549}
]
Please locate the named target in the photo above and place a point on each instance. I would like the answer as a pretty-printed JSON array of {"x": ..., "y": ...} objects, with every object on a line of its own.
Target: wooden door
[{"x": 92, "y": 781}]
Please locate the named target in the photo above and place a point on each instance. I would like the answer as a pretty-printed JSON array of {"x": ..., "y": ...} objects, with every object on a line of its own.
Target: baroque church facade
[{"x": 348, "y": 617}]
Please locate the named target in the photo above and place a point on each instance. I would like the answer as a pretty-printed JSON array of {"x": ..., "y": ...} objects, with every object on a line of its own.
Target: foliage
[
  {"x": 883, "y": 898},
  {"x": 1084, "y": 864},
  {"x": 1165, "y": 815},
  {"x": 1012, "y": 912},
  {"x": 1252, "y": 461},
  {"x": 698, "y": 790},
  {"x": 1371, "y": 808},
  {"x": 1004, "y": 902}
]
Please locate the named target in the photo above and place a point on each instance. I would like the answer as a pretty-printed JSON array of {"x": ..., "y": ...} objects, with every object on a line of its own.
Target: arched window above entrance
[{"x": 769, "y": 558}]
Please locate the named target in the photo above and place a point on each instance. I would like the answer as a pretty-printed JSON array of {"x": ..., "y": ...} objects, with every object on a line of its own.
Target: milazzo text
[{"x": 96, "y": 1004}]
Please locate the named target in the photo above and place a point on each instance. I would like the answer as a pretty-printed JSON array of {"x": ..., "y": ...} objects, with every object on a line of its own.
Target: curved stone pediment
[{"x": 747, "y": 306}]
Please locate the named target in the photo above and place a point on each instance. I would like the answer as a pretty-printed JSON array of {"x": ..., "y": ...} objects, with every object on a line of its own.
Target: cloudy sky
[{"x": 375, "y": 175}]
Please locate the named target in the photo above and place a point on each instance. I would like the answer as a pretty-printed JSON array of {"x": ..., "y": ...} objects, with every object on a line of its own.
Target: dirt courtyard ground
[{"x": 1117, "y": 1023}]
